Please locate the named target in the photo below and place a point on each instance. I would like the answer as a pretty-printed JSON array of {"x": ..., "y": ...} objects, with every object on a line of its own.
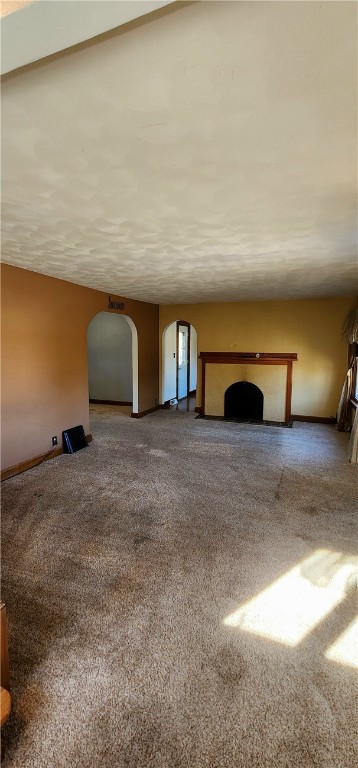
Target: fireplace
[
  {"x": 244, "y": 401},
  {"x": 267, "y": 374}
]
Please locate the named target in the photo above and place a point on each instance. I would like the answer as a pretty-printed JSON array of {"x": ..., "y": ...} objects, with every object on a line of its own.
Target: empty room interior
[{"x": 179, "y": 386}]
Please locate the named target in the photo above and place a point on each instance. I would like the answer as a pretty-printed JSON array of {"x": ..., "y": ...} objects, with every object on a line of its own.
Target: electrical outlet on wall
[{"x": 54, "y": 441}]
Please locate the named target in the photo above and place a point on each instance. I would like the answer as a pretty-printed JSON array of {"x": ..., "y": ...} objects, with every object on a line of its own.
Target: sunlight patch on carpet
[
  {"x": 299, "y": 600},
  {"x": 345, "y": 649}
]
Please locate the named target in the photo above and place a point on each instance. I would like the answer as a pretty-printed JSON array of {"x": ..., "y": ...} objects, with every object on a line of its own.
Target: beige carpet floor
[{"x": 125, "y": 571}]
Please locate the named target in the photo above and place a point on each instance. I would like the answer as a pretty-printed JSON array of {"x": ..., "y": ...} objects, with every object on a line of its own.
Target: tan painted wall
[
  {"x": 44, "y": 358},
  {"x": 311, "y": 327}
]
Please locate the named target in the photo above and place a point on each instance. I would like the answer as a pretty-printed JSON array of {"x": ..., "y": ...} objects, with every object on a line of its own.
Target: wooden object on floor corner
[{"x": 5, "y": 705}]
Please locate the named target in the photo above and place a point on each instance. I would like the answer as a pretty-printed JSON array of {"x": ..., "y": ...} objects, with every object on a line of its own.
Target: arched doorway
[
  {"x": 179, "y": 361},
  {"x": 112, "y": 347}
]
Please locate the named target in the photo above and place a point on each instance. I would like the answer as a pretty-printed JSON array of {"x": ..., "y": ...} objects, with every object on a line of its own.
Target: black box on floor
[{"x": 74, "y": 439}]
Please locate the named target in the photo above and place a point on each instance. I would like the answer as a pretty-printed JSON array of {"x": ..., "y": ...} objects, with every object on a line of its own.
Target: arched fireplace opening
[{"x": 244, "y": 401}]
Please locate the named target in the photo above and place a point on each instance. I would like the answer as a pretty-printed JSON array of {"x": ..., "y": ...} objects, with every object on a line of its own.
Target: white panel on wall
[
  {"x": 169, "y": 363},
  {"x": 193, "y": 358},
  {"x": 109, "y": 342}
]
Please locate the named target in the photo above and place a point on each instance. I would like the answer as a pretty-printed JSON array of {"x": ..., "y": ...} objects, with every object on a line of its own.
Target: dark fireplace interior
[{"x": 244, "y": 401}]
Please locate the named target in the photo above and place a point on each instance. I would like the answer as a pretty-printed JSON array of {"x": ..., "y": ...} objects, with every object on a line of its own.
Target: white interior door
[{"x": 183, "y": 360}]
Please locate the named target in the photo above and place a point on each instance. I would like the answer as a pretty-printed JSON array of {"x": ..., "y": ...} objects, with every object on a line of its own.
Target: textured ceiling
[{"x": 207, "y": 155}]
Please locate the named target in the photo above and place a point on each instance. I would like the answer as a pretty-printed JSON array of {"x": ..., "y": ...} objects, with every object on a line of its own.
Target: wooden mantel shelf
[
  {"x": 255, "y": 358},
  {"x": 279, "y": 358}
]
